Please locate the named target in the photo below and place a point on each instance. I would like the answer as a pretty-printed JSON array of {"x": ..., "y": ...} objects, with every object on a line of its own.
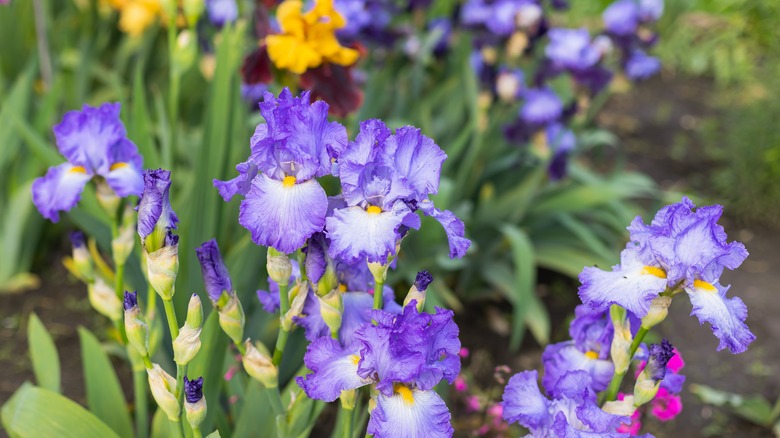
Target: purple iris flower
[
  {"x": 622, "y": 17},
  {"x": 222, "y": 12},
  {"x": 683, "y": 248},
  {"x": 541, "y": 106},
  {"x": 215, "y": 273},
  {"x": 284, "y": 204},
  {"x": 572, "y": 49},
  {"x": 639, "y": 65},
  {"x": 591, "y": 333},
  {"x": 156, "y": 218},
  {"x": 650, "y": 10},
  {"x": 94, "y": 143},
  {"x": 405, "y": 355},
  {"x": 384, "y": 179},
  {"x": 366, "y": 19},
  {"x": 501, "y": 17},
  {"x": 444, "y": 26},
  {"x": 193, "y": 389},
  {"x": 77, "y": 239},
  {"x": 660, "y": 354},
  {"x": 572, "y": 412}
]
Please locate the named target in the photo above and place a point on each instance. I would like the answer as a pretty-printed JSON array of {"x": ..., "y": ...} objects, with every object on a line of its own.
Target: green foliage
[
  {"x": 43, "y": 354},
  {"x": 754, "y": 408}
]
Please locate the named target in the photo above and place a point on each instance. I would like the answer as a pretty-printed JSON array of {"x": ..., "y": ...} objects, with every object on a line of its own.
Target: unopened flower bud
[
  {"x": 104, "y": 299},
  {"x": 621, "y": 341},
  {"x": 194, "y": 402},
  {"x": 162, "y": 266},
  {"x": 297, "y": 297},
  {"x": 135, "y": 325},
  {"x": 187, "y": 344},
  {"x": 278, "y": 266},
  {"x": 379, "y": 271},
  {"x": 659, "y": 308},
  {"x": 509, "y": 83},
  {"x": 193, "y": 10},
  {"x": 331, "y": 309},
  {"x": 163, "y": 387},
  {"x": 156, "y": 218},
  {"x": 195, "y": 312},
  {"x": 107, "y": 198},
  {"x": 216, "y": 277},
  {"x": 649, "y": 380},
  {"x": 186, "y": 52},
  {"x": 623, "y": 408},
  {"x": 329, "y": 280},
  {"x": 348, "y": 398},
  {"x": 231, "y": 317},
  {"x": 258, "y": 364},
  {"x": 122, "y": 244},
  {"x": 417, "y": 291},
  {"x": 82, "y": 261}
]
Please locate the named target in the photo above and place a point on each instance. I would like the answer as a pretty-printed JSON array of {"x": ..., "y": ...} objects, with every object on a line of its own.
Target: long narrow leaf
[{"x": 45, "y": 360}]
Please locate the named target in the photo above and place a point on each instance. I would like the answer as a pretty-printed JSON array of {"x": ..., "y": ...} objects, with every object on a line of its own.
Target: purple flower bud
[
  {"x": 660, "y": 354},
  {"x": 193, "y": 389},
  {"x": 424, "y": 278},
  {"x": 77, "y": 239},
  {"x": 131, "y": 300},
  {"x": 215, "y": 273},
  {"x": 155, "y": 216}
]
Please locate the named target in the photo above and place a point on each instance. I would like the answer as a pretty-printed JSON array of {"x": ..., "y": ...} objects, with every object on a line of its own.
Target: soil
[{"x": 659, "y": 126}]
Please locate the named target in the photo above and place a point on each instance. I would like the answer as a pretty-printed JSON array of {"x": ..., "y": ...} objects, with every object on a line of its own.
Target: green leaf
[
  {"x": 256, "y": 410},
  {"x": 754, "y": 408},
  {"x": 37, "y": 412},
  {"x": 160, "y": 427},
  {"x": 45, "y": 360},
  {"x": 566, "y": 259},
  {"x": 104, "y": 394}
]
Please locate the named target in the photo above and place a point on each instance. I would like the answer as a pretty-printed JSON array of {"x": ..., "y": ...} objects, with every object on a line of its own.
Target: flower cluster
[
  {"x": 385, "y": 178},
  {"x": 404, "y": 355},
  {"x": 682, "y": 249}
]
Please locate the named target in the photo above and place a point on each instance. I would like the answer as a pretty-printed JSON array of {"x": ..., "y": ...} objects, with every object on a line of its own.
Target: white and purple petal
[
  {"x": 239, "y": 185},
  {"x": 355, "y": 234},
  {"x": 410, "y": 413},
  {"x": 283, "y": 217},
  {"x": 418, "y": 160},
  {"x": 453, "y": 227},
  {"x": 558, "y": 359},
  {"x": 125, "y": 179},
  {"x": 59, "y": 190},
  {"x": 726, "y": 315},
  {"x": 334, "y": 369},
  {"x": 524, "y": 403}
]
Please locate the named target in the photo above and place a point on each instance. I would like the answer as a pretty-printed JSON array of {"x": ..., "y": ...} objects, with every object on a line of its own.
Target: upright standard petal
[
  {"x": 631, "y": 284},
  {"x": 59, "y": 190},
  {"x": 87, "y": 137},
  {"x": 410, "y": 413},
  {"x": 282, "y": 216},
  {"x": 356, "y": 234},
  {"x": 334, "y": 369},
  {"x": 726, "y": 315},
  {"x": 418, "y": 160}
]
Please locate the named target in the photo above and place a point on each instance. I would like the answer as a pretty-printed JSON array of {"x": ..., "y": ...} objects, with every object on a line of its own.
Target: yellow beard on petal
[
  {"x": 404, "y": 392},
  {"x": 653, "y": 270},
  {"x": 288, "y": 181},
  {"x": 118, "y": 165},
  {"x": 701, "y": 284},
  {"x": 373, "y": 209}
]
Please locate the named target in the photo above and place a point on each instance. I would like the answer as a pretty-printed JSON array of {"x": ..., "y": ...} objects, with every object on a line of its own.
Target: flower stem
[
  {"x": 141, "y": 401},
  {"x": 281, "y": 340},
  {"x": 379, "y": 287},
  {"x": 196, "y": 433},
  {"x": 119, "y": 284},
  {"x": 345, "y": 419},
  {"x": 170, "y": 315},
  {"x": 617, "y": 379},
  {"x": 276, "y": 400},
  {"x": 175, "y": 427}
]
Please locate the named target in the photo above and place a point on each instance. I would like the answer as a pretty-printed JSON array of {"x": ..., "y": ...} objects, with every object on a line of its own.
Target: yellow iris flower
[
  {"x": 308, "y": 40},
  {"x": 136, "y": 15}
]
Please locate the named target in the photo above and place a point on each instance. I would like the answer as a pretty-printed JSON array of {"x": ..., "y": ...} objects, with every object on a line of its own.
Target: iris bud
[
  {"x": 186, "y": 345},
  {"x": 278, "y": 266},
  {"x": 194, "y": 402},
  {"x": 231, "y": 316},
  {"x": 331, "y": 309},
  {"x": 258, "y": 364},
  {"x": 122, "y": 244},
  {"x": 82, "y": 261},
  {"x": 163, "y": 387},
  {"x": 329, "y": 280},
  {"x": 621, "y": 341},
  {"x": 379, "y": 271},
  {"x": 417, "y": 291},
  {"x": 162, "y": 266},
  {"x": 649, "y": 380},
  {"x": 659, "y": 308},
  {"x": 193, "y": 10},
  {"x": 348, "y": 398},
  {"x": 135, "y": 325},
  {"x": 104, "y": 299},
  {"x": 623, "y": 408},
  {"x": 195, "y": 312},
  {"x": 297, "y": 296}
]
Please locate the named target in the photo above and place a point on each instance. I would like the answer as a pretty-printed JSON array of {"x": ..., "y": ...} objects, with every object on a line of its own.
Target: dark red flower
[
  {"x": 257, "y": 67},
  {"x": 335, "y": 85}
]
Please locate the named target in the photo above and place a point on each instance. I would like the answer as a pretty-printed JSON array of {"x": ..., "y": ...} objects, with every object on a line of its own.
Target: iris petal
[
  {"x": 726, "y": 315},
  {"x": 356, "y": 234},
  {"x": 334, "y": 370},
  {"x": 410, "y": 413},
  {"x": 59, "y": 190}
]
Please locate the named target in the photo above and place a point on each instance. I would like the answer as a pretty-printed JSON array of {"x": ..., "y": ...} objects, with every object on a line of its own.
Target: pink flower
[
  {"x": 472, "y": 404},
  {"x": 636, "y": 423},
  {"x": 230, "y": 373},
  {"x": 495, "y": 410},
  {"x": 676, "y": 363},
  {"x": 464, "y": 352},
  {"x": 665, "y": 406},
  {"x": 482, "y": 431},
  {"x": 460, "y": 384}
]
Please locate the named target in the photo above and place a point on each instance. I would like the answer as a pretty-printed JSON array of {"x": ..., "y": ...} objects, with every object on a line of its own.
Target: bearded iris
[
  {"x": 683, "y": 248},
  {"x": 284, "y": 204},
  {"x": 384, "y": 179},
  {"x": 405, "y": 356},
  {"x": 95, "y": 145}
]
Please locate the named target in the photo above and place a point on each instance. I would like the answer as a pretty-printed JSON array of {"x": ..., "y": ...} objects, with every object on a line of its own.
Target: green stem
[
  {"x": 345, "y": 418},
  {"x": 281, "y": 340},
  {"x": 119, "y": 284},
  {"x": 196, "y": 433},
  {"x": 141, "y": 403},
  {"x": 617, "y": 379},
  {"x": 151, "y": 304},
  {"x": 379, "y": 287},
  {"x": 241, "y": 348},
  {"x": 276, "y": 400},
  {"x": 170, "y": 315},
  {"x": 175, "y": 427}
]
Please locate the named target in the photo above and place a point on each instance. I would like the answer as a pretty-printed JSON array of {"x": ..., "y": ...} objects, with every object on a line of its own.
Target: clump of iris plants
[{"x": 682, "y": 251}]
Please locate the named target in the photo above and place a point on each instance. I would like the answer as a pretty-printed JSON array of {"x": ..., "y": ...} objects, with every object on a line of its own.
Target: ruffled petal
[
  {"x": 418, "y": 159},
  {"x": 629, "y": 284},
  {"x": 410, "y": 413},
  {"x": 283, "y": 217},
  {"x": 356, "y": 234},
  {"x": 726, "y": 315},
  {"x": 125, "y": 179},
  {"x": 560, "y": 358},
  {"x": 59, "y": 190},
  {"x": 239, "y": 185},
  {"x": 452, "y": 226},
  {"x": 524, "y": 403},
  {"x": 334, "y": 370}
]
